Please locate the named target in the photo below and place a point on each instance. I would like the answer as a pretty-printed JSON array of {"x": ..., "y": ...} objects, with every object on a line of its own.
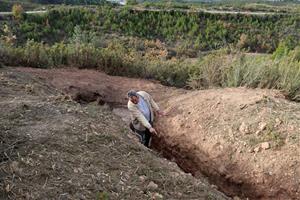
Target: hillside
[
  {"x": 227, "y": 75},
  {"x": 53, "y": 148},
  {"x": 246, "y": 141}
]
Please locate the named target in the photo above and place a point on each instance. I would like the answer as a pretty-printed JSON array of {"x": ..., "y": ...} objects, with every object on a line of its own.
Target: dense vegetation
[
  {"x": 6, "y": 5},
  {"x": 228, "y": 5},
  {"x": 203, "y": 31},
  {"x": 221, "y": 69},
  {"x": 196, "y": 30},
  {"x": 92, "y": 38}
]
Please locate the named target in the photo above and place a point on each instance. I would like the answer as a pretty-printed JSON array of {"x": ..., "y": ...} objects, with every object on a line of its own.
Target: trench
[
  {"x": 197, "y": 163},
  {"x": 184, "y": 158},
  {"x": 202, "y": 168},
  {"x": 199, "y": 168},
  {"x": 86, "y": 86}
]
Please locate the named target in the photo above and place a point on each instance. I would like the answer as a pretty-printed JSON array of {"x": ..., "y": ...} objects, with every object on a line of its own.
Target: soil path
[{"x": 233, "y": 136}]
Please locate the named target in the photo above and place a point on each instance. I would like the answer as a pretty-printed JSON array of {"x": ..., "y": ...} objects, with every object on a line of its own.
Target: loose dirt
[
  {"x": 54, "y": 148},
  {"x": 245, "y": 141}
]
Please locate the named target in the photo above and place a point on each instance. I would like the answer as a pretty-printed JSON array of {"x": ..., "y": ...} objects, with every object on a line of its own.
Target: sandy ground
[{"x": 246, "y": 141}]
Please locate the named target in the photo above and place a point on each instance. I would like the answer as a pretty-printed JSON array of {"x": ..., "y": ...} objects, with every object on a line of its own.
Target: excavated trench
[
  {"x": 202, "y": 167},
  {"x": 194, "y": 151},
  {"x": 182, "y": 157}
]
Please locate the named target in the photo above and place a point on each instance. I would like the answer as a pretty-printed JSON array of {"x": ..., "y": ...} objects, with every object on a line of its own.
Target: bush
[
  {"x": 218, "y": 69},
  {"x": 264, "y": 72},
  {"x": 18, "y": 11},
  {"x": 208, "y": 72}
]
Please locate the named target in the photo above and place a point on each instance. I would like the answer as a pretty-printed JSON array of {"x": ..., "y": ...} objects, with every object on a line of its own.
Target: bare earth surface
[
  {"x": 245, "y": 141},
  {"x": 54, "y": 148}
]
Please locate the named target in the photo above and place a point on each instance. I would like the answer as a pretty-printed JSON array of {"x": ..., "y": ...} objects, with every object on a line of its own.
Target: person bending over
[{"x": 142, "y": 109}]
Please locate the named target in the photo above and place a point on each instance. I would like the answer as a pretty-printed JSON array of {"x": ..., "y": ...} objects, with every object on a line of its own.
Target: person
[{"x": 142, "y": 109}]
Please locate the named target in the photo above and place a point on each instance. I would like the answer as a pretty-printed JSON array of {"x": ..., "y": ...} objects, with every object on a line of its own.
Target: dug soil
[
  {"x": 246, "y": 141},
  {"x": 55, "y": 148}
]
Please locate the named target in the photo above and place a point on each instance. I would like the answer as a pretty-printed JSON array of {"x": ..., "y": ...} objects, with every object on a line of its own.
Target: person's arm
[{"x": 140, "y": 117}]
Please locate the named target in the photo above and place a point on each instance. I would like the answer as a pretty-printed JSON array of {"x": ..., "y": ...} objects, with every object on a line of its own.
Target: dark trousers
[{"x": 144, "y": 136}]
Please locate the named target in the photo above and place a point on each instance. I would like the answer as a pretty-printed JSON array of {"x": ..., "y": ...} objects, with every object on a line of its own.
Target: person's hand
[{"x": 152, "y": 130}]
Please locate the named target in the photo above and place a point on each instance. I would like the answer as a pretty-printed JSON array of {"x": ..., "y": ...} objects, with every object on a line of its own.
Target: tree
[
  {"x": 131, "y": 2},
  {"x": 18, "y": 12}
]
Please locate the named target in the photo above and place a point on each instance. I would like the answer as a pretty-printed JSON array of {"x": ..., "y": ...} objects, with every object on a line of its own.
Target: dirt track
[{"x": 246, "y": 141}]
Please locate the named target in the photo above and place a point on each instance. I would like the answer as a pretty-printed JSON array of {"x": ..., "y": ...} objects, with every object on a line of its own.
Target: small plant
[
  {"x": 254, "y": 140},
  {"x": 18, "y": 12},
  {"x": 275, "y": 137},
  {"x": 102, "y": 196}
]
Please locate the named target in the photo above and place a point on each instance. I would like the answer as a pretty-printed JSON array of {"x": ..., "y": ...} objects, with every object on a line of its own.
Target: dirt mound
[
  {"x": 112, "y": 89},
  {"x": 246, "y": 140},
  {"x": 54, "y": 148}
]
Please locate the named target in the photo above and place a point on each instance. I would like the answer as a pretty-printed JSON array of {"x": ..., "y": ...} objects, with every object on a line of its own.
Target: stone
[
  {"x": 142, "y": 178},
  {"x": 178, "y": 194},
  {"x": 93, "y": 127},
  {"x": 277, "y": 122},
  {"x": 257, "y": 132},
  {"x": 265, "y": 145},
  {"x": 222, "y": 170},
  {"x": 244, "y": 128},
  {"x": 7, "y": 188},
  {"x": 214, "y": 186},
  {"x": 152, "y": 186},
  {"x": 14, "y": 166},
  {"x": 262, "y": 126},
  {"x": 256, "y": 149},
  {"x": 251, "y": 150},
  {"x": 174, "y": 174},
  {"x": 242, "y": 106},
  {"x": 236, "y": 198},
  {"x": 157, "y": 196}
]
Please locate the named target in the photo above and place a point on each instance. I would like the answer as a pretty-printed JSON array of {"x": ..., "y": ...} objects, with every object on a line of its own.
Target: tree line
[{"x": 196, "y": 30}]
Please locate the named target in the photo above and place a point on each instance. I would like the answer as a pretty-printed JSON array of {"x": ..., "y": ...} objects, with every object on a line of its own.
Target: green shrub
[
  {"x": 172, "y": 73},
  {"x": 208, "y": 72},
  {"x": 264, "y": 72},
  {"x": 295, "y": 55},
  {"x": 281, "y": 50},
  {"x": 217, "y": 69}
]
